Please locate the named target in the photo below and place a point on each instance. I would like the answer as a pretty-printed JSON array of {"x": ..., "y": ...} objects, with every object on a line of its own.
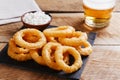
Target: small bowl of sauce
[{"x": 36, "y": 19}]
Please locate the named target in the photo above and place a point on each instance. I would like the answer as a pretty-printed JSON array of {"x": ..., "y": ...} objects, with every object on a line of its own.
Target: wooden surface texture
[{"x": 103, "y": 63}]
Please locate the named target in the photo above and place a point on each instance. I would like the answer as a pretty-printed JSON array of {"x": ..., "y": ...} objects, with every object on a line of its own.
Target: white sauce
[{"x": 36, "y": 18}]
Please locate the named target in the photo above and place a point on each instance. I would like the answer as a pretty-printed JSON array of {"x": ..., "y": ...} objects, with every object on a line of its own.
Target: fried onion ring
[
  {"x": 58, "y": 48},
  {"x": 51, "y": 39},
  {"x": 18, "y": 37},
  {"x": 77, "y": 39},
  {"x": 18, "y": 56},
  {"x": 85, "y": 49},
  {"x": 65, "y": 67},
  {"x": 17, "y": 48},
  {"x": 48, "y": 50},
  {"x": 61, "y": 31},
  {"x": 29, "y": 37},
  {"x": 37, "y": 56}
]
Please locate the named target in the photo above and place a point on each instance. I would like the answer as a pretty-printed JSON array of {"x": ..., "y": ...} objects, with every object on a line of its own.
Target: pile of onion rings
[
  {"x": 53, "y": 47},
  {"x": 22, "y": 43}
]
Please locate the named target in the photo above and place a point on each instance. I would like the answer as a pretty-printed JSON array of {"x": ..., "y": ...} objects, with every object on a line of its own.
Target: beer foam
[{"x": 99, "y": 4}]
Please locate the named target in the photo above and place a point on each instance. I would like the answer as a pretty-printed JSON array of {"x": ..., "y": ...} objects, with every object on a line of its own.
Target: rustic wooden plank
[
  {"x": 117, "y": 6},
  {"x": 6, "y": 31},
  {"x": 72, "y": 19},
  {"x": 2, "y": 45},
  {"x": 108, "y": 36},
  {"x": 65, "y": 5},
  {"x": 103, "y": 64},
  {"x": 60, "y": 5}
]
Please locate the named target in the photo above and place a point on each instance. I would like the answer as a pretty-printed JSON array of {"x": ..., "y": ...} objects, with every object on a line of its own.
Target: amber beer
[{"x": 98, "y": 12}]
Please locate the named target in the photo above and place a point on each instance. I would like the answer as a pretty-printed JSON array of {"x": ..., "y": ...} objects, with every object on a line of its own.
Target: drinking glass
[{"x": 98, "y": 13}]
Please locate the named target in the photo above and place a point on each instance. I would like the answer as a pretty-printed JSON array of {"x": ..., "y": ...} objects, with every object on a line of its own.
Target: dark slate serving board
[{"x": 33, "y": 66}]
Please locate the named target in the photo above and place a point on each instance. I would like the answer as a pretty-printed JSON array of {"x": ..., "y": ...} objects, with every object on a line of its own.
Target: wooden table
[{"x": 103, "y": 63}]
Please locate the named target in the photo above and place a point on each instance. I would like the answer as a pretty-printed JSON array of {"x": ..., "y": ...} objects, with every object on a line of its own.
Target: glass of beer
[{"x": 98, "y": 12}]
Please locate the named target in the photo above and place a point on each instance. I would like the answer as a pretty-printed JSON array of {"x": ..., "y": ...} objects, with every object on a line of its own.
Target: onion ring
[
  {"x": 66, "y": 58},
  {"x": 37, "y": 56},
  {"x": 17, "y": 48},
  {"x": 61, "y": 31},
  {"x": 48, "y": 50},
  {"x": 29, "y": 37},
  {"x": 86, "y": 50},
  {"x": 51, "y": 39},
  {"x": 53, "y": 47},
  {"x": 18, "y": 37},
  {"x": 18, "y": 56},
  {"x": 77, "y": 39},
  {"x": 65, "y": 67}
]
